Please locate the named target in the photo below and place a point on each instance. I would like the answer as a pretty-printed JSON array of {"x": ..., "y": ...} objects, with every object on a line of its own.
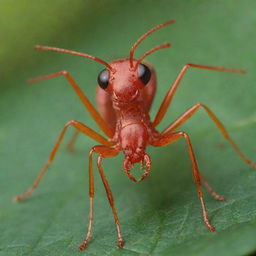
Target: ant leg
[
  {"x": 165, "y": 140},
  {"x": 104, "y": 152},
  {"x": 167, "y": 100},
  {"x": 71, "y": 143},
  {"x": 211, "y": 190},
  {"x": 81, "y": 128},
  {"x": 91, "y": 196},
  {"x": 111, "y": 201},
  {"x": 88, "y": 105},
  {"x": 189, "y": 113}
]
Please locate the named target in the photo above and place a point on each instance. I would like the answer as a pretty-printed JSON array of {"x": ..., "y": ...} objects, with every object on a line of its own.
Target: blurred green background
[{"x": 161, "y": 215}]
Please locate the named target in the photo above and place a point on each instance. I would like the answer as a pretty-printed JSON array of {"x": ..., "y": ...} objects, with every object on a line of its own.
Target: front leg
[
  {"x": 190, "y": 112},
  {"x": 169, "y": 96},
  {"x": 86, "y": 102},
  {"x": 165, "y": 140},
  {"x": 81, "y": 128},
  {"x": 103, "y": 152}
]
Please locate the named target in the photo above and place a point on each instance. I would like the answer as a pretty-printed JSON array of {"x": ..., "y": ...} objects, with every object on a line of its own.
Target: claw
[
  {"x": 211, "y": 228},
  {"x": 82, "y": 246},
  {"x": 19, "y": 198},
  {"x": 16, "y": 199},
  {"x": 120, "y": 243},
  {"x": 145, "y": 165}
]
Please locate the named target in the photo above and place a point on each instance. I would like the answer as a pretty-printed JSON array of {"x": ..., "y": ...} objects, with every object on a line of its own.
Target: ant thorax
[{"x": 133, "y": 128}]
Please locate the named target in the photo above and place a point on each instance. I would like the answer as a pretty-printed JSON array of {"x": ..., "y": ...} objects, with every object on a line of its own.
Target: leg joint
[
  {"x": 189, "y": 65},
  {"x": 71, "y": 122},
  {"x": 185, "y": 135},
  {"x": 64, "y": 72},
  {"x": 200, "y": 104}
]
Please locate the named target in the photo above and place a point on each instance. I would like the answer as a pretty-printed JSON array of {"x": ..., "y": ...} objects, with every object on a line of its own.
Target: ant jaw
[
  {"x": 145, "y": 165},
  {"x": 122, "y": 100}
]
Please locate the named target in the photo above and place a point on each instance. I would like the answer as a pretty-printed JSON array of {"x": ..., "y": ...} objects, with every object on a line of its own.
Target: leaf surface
[{"x": 162, "y": 215}]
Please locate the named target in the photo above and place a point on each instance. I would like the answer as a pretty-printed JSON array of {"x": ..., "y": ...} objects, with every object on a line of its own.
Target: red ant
[{"x": 124, "y": 96}]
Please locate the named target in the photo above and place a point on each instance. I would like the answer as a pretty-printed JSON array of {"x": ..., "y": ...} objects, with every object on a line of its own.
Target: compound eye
[
  {"x": 144, "y": 73},
  {"x": 103, "y": 78}
]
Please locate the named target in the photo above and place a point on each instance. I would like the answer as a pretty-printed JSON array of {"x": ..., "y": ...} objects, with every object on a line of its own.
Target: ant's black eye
[
  {"x": 103, "y": 78},
  {"x": 144, "y": 73}
]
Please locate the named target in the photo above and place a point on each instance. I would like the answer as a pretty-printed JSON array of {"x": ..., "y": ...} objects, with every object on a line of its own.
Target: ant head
[
  {"x": 124, "y": 82},
  {"x": 122, "y": 78},
  {"x": 125, "y": 77}
]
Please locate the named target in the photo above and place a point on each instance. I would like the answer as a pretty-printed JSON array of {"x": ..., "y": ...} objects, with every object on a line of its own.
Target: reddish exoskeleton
[{"x": 124, "y": 96}]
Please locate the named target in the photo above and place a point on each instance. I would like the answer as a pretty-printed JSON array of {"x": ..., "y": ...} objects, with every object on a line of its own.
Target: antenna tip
[
  {"x": 30, "y": 81},
  {"x": 40, "y": 47},
  {"x": 170, "y": 22},
  {"x": 167, "y": 45}
]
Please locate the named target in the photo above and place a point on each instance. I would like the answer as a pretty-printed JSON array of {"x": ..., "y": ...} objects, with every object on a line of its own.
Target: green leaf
[{"x": 161, "y": 215}]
